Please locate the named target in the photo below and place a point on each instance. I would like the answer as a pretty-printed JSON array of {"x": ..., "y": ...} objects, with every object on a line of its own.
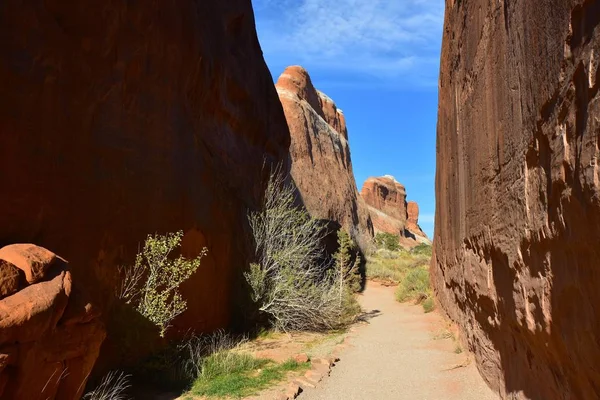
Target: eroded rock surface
[
  {"x": 123, "y": 119},
  {"x": 386, "y": 201},
  {"x": 517, "y": 225},
  {"x": 320, "y": 154},
  {"x": 50, "y": 335}
]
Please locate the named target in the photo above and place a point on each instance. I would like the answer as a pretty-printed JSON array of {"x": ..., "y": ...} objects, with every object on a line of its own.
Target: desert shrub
[
  {"x": 347, "y": 269},
  {"x": 152, "y": 284},
  {"x": 112, "y": 387},
  {"x": 428, "y": 304},
  {"x": 290, "y": 282},
  {"x": 422, "y": 249},
  {"x": 416, "y": 287},
  {"x": 388, "y": 241}
]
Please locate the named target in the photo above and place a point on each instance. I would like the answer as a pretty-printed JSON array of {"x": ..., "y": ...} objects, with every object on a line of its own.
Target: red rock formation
[
  {"x": 518, "y": 192},
  {"x": 320, "y": 154},
  {"x": 50, "y": 336},
  {"x": 121, "y": 119},
  {"x": 412, "y": 220},
  {"x": 386, "y": 200}
]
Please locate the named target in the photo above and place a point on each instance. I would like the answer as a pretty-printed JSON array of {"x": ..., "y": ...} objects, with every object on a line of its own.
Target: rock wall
[
  {"x": 320, "y": 154},
  {"x": 517, "y": 243},
  {"x": 122, "y": 119},
  {"x": 386, "y": 201},
  {"x": 50, "y": 335}
]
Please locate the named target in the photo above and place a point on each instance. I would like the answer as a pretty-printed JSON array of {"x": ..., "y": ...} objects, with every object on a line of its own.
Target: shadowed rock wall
[
  {"x": 121, "y": 119},
  {"x": 517, "y": 244}
]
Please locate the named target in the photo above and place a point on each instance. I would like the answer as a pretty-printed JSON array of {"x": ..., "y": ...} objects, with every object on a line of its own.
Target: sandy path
[{"x": 397, "y": 356}]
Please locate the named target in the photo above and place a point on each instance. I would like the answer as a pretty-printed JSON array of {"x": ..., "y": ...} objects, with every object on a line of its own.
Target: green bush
[
  {"x": 423, "y": 249},
  {"x": 388, "y": 241},
  {"x": 428, "y": 304},
  {"x": 414, "y": 285},
  {"x": 289, "y": 282},
  {"x": 152, "y": 283}
]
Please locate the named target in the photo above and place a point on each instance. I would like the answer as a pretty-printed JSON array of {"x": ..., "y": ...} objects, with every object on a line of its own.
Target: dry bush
[
  {"x": 112, "y": 387},
  {"x": 289, "y": 281}
]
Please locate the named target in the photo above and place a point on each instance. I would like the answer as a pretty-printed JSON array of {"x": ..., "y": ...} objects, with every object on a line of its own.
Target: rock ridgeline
[
  {"x": 320, "y": 154},
  {"x": 386, "y": 200},
  {"x": 518, "y": 192}
]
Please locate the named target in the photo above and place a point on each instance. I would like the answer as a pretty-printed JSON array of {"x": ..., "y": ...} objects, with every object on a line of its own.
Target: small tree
[{"x": 152, "y": 283}]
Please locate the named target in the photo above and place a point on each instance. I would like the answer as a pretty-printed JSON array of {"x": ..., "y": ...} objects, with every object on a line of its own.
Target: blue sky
[{"x": 379, "y": 61}]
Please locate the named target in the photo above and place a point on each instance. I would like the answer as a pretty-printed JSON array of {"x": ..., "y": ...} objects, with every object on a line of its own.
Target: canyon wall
[
  {"x": 385, "y": 198},
  {"x": 123, "y": 119},
  {"x": 517, "y": 245},
  {"x": 320, "y": 154}
]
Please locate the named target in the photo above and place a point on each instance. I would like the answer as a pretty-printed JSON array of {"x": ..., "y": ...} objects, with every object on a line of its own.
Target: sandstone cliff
[
  {"x": 320, "y": 154},
  {"x": 120, "y": 119},
  {"x": 386, "y": 200},
  {"x": 517, "y": 245}
]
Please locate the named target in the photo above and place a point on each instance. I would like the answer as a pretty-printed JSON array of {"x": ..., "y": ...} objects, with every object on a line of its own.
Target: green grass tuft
[{"x": 232, "y": 374}]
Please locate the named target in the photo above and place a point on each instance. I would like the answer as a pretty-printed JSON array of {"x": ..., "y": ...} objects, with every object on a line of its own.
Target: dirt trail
[{"x": 399, "y": 354}]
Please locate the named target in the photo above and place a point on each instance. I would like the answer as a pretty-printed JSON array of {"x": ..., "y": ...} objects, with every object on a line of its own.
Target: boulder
[
  {"x": 517, "y": 228},
  {"x": 320, "y": 154},
  {"x": 41, "y": 356},
  {"x": 34, "y": 261},
  {"x": 11, "y": 278}
]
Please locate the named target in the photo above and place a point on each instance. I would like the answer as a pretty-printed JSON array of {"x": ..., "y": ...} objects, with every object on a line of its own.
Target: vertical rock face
[
  {"x": 517, "y": 243},
  {"x": 386, "y": 200},
  {"x": 50, "y": 335},
  {"x": 412, "y": 218},
  {"x": 122, "y": 119},
  {"x": 320, "y": 154}
]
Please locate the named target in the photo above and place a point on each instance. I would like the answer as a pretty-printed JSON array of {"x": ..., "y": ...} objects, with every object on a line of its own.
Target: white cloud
[{"x": 393, "y": 39}]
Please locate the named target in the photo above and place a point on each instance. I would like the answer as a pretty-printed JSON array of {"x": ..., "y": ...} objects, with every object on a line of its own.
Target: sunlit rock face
[
  {"x": 517, "y": 243},
  {"x": 320, "y": 154},
  {"x": 391, "y": 213}
]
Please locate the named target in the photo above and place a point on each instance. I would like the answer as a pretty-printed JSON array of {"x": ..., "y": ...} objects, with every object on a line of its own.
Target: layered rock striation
[
  {"x": 50, "y": 334},
  {"x": 517, "y": 243},
  {"x": 320, "y": 154},
  {"x": 386, "y": 200}
]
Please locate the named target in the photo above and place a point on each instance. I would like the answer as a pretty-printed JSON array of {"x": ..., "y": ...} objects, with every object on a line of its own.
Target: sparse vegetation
[
  {"x": 239, "y": 375},
  {"x": 408, "y": 269},
  {"x": 223, "y": 369},
  {"x": 388, "y": 241},
  {"x": 415, "y": 285},
  {"x": 422, "y": 249},
  {"x": 112, "y": 387},
  {"x": 290, "y": 281},
  {"x": 152, "y": 284}
]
